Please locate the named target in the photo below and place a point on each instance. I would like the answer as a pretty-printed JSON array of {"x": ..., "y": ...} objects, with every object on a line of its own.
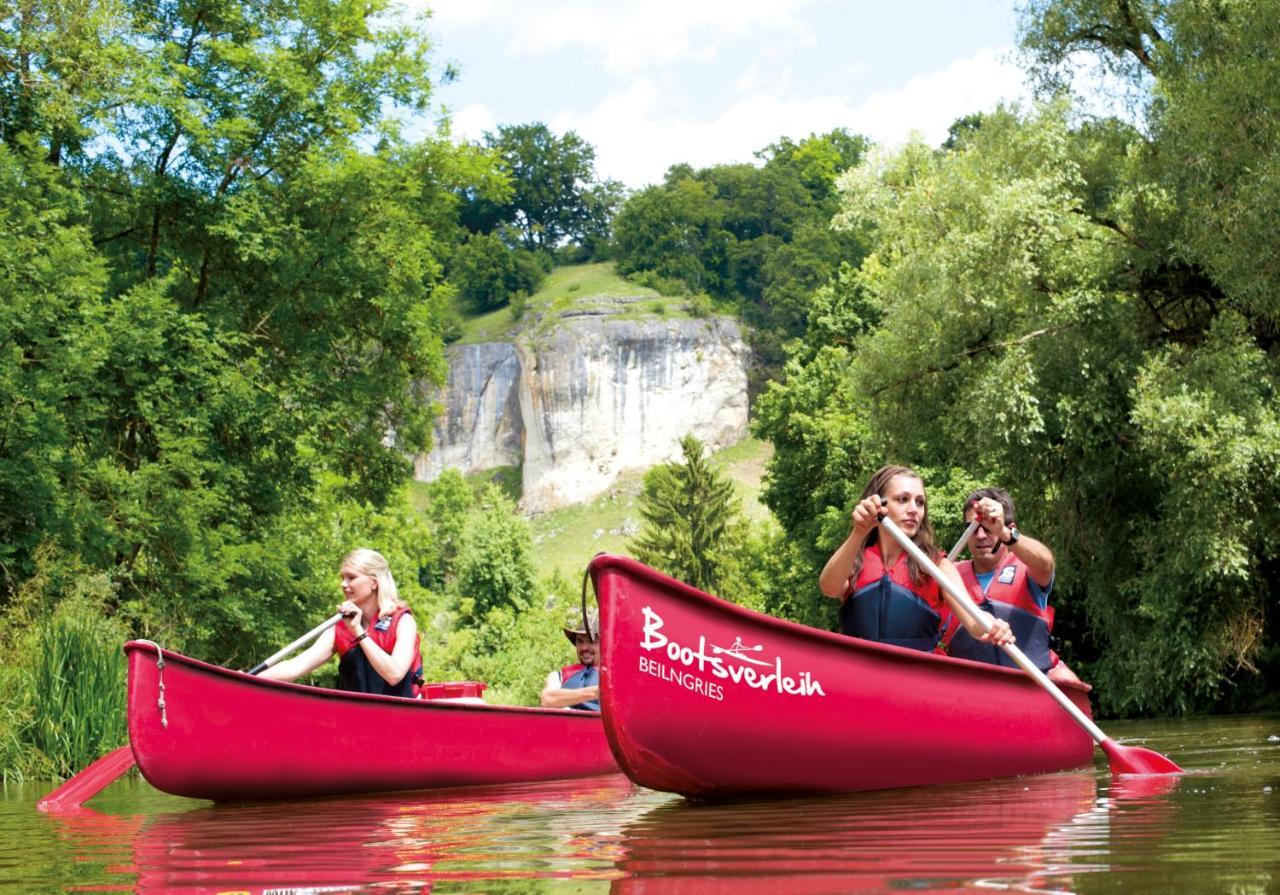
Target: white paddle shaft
[
  {"x": 1011, "y": 649},
  {"x": 964, "y": 539},
  {"x": 310, "y": 635}
]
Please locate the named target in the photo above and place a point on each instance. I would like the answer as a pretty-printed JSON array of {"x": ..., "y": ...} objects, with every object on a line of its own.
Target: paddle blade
[
  {"x": 1136, "y": 760},
  {"x": 88, "y": 783}
]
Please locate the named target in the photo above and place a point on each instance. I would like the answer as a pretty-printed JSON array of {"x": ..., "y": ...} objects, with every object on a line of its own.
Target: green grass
[
  {"x": 73, "y": 694},
  {"x": 566, "y": 539},
  {"x": 577, "y": 287},
  {"x": 495, "y": 326}
]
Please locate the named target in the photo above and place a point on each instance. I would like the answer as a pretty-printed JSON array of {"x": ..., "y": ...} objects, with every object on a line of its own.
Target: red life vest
[
  {"x": 575, "y": 677},
  {"x": 1009, "y": 597},
  {"x": 354, "y": 671},
  {"x": 887, "y": 606}
]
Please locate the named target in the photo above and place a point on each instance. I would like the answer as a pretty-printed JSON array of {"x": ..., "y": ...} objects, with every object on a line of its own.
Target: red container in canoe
[
  {"x": 708, "y": 699},
  {"x": 224, "y": 734}
]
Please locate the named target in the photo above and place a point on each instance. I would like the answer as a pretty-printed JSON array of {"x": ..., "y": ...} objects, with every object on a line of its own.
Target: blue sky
[{"x": 711, "y": 81}]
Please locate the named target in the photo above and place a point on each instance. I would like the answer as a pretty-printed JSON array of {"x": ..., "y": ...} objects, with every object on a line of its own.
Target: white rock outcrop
[{"x": 595, "y": 397}]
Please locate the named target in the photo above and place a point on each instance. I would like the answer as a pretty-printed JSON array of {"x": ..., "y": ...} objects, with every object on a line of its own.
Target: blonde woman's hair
[{"x": 374, "y": 564}]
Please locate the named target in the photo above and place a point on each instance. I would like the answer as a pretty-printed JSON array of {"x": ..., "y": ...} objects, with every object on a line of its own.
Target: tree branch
[{"x": 958, "y": 358}]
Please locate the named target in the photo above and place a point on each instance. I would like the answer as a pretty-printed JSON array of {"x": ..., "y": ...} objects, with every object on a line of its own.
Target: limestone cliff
[{"x": 590, "y": 399}]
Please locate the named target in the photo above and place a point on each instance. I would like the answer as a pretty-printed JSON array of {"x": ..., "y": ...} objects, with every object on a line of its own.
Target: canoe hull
[
  {"x": 708, "y": 699},
  {"x": 231, "y": 736}
]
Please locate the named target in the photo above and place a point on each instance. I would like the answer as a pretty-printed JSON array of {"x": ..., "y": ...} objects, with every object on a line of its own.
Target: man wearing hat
[{"x": 577, "y": 686}]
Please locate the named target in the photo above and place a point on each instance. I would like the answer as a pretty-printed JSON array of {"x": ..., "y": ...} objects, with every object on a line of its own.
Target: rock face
[
  {"x": 591, "y": 399},
  {"x": 480, "y": 427}
]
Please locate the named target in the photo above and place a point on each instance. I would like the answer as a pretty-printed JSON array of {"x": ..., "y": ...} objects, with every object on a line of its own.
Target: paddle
[
  {"x": 964, "y": 539},
  {"x": 305, "y": 638},
  {"x": 97, "y": 776},
  {"x": 1123, "y": 759}
]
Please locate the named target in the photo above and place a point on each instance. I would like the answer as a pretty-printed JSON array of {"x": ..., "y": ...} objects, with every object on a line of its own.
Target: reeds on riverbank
[{"x": 66, "y": 704}]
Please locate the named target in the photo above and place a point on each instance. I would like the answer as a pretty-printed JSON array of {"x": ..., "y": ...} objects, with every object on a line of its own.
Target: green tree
[
  {"x": 1043, "y": 309},
  {"x": 689, "y": 510},
  {"x": 219, "y": 303},
  {"x": 495, "y": 561},
  {"x": 488, "y": 272},
  {"x": 755, "y": 236},
  {"x": 674, "y": 230},
  {"x": 554, "y": 193}
]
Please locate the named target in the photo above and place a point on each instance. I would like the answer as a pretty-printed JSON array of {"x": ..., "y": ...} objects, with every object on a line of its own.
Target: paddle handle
[
  {"x": 1011, "y": 649},
  {"x": 964, "y": 539},
  {"x": 305, "y": 638}
]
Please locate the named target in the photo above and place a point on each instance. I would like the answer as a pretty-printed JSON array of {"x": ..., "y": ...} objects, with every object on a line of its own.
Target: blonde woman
[{"x": 376, "y": 642}]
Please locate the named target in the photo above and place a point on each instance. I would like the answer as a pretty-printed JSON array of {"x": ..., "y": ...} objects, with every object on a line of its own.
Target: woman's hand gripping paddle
[
  {"x": 1122, "y": 759},
  {"x": 97, "y": 776}
]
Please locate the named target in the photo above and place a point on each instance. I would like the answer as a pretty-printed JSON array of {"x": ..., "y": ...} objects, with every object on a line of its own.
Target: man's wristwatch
[{"x": 1013, "y": 537}]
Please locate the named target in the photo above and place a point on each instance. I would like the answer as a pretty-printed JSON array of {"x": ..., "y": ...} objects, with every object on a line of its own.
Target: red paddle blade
[
  {"x": 1136, "y": 760},
  {"x": 88, "y": 783}
]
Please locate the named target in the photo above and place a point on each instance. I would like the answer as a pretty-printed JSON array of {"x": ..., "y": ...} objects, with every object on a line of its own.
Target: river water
[{"x": 1216, "y": 829}]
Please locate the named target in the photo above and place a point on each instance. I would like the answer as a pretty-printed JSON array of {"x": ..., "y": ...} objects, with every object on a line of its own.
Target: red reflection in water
[
  {"x": 397, "y": 842},
  {"x": 940, "y": 839},
  {"x": 1028, "y": 834}
]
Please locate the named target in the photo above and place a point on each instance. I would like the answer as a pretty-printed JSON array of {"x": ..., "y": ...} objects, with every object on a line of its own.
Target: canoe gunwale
[{"x": 306, "y": 690}]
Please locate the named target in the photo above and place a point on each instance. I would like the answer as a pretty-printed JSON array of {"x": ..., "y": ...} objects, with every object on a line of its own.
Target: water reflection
[
  {"x": 1015, "y": 835},
  {"x": 1216, "y": 829},
  {"x": 543, "y": 831},
  {"x": 1030, "y": 834}
]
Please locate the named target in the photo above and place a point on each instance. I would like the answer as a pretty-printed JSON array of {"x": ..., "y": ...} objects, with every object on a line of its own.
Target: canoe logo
[{"x": 731, "y": 664}]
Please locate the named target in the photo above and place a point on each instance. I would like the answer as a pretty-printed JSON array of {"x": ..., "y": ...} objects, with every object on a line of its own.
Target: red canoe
[
  {"x": 222, "y": 734},
  {"x": 707, "y": 699}
]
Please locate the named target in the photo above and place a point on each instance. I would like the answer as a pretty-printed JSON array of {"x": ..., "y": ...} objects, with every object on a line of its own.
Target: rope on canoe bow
[{"x": 164, "y": 718}]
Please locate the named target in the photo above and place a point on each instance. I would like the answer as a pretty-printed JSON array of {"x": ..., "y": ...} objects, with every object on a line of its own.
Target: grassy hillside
[
  {"x": 578, "y": 287},
  {"x": 566, "y": 539}
]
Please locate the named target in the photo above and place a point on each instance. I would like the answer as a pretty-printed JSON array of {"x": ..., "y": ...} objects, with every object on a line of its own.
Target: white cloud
[
  {"x": 471, "y": 122},
  {"x": 627, "y": 37},
  {"x": 637, "y": 137},
  {"x": 930, "y": 103}
]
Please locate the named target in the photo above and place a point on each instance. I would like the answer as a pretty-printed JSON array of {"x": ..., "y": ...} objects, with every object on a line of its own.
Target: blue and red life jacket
[
  {"x": 575, "y": 677},
  {"x": 1008, "y": 596},
  {"x": 887, "y": 606},
  {"x": 356, "y": 674}
]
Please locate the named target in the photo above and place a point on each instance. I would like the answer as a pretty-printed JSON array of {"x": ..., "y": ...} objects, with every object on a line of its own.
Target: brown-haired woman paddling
[{"x": 886, "y": 596}]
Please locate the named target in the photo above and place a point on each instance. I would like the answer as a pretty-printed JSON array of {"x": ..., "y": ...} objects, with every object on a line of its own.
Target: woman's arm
[
  {"x": 835, "y": 574},
  {"x": 393, "y": 666},
  {"x": 305, "y": 662}
]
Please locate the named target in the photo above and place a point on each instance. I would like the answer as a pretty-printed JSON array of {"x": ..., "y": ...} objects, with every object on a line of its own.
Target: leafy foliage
[
  {"x": 217, "y": 300},
  {"x": 758, "y": 236},
  {"x": 554, "y": 197},
  {"x": 688, "y": 510},
  {"x": 1076, "y": 309},
  {"x": 494, "y": 563},
  {"x": 488, "y": 273}
]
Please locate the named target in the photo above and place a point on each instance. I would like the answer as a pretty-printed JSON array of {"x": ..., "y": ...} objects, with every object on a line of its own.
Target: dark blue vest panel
[
  {"x": 1030, "y": 629},
  {"x": 887, "y": 612},
  {"x": 584, "y": 677},
  {"x": 357, "y": 675}
]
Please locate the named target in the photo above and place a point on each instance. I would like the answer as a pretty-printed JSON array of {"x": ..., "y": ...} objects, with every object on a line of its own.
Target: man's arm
[
  {"x": 555, "y": 696},
  {"x": 1036, "y": 557}
]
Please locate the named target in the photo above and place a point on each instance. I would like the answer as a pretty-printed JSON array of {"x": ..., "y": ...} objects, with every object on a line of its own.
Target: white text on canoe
[{"x": 709, "y": 657}]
